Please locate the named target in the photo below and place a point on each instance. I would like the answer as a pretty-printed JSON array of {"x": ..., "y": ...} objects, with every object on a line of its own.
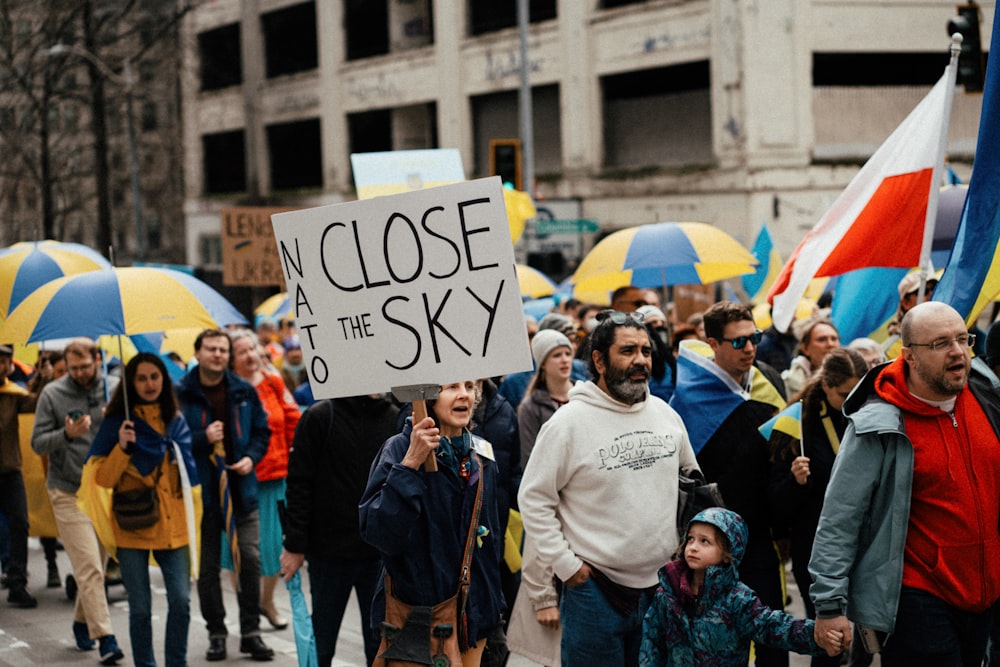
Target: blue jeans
[
  {"x": 210, "y": 587},
  {"x": 931, "y": 632},
  {"x": 593, "y": 633},
  {"x": 175, "y": 566},
  {"x": 330, "y": 583}
]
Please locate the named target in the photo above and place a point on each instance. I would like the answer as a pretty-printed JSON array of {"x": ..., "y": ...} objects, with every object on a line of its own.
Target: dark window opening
[
  {"x": 608, "y": 4},
  {"x": 225, "y": 162},
  {"x": 296, "y": 155},
  {"x": 366, "y": 24},
  {"x": 149, "y": 121},
  {"x": 290, "y": 39},
  {"x": 664, "y": 80},
  {"x": 370, "y": 131},
  {"x": 878, "y": 69},
  {"x": 492, "y": 15},
  {"x": 220, "y": 57}
]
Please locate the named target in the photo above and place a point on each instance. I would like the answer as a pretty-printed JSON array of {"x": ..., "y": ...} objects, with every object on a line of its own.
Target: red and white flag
[{"x": 881, "y": 217}]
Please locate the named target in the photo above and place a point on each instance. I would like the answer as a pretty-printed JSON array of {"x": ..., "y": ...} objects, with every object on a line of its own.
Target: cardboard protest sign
[
  {"x": 392, "y": 172},
  {"x": 249, "y": 256},
  {"x": 408, "y": 289}
]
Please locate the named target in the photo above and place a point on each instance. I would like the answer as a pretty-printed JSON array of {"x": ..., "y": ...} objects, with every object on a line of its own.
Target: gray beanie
[{"x": 544, "y": 342}]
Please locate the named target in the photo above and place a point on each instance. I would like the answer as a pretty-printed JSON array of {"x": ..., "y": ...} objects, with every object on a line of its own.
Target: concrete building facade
[{"x": 738, "y": 113}]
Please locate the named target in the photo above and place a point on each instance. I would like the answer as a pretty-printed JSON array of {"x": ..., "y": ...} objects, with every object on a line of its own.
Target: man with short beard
[
  {"x": 723, "y": 398},
  {"x": 907, "y": 543},
  {"x": 599, "y": 495}
]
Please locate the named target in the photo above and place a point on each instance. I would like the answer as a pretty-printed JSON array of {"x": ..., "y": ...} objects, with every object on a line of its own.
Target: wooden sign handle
[{"x": 419, "y": 414}]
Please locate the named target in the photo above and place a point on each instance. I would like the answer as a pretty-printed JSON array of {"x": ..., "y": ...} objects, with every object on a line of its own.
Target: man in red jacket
[{"x": 907, "y": 543}]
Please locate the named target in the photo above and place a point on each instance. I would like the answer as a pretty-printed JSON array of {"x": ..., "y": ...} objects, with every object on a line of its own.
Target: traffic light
[
  {"x": 970, "y": 60},
  {"x": 505, "y": 161}
]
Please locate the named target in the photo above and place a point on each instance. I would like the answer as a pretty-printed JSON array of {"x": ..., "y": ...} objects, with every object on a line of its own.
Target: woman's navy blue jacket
[{"x": 418, "y": 521}]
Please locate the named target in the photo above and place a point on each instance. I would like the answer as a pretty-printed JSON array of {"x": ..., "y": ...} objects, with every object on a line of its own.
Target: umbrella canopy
[
  {"x": 26, "y": 266},
  {"x": 660, "y": 254},
  {"x": 534, "y": 284},
  {"x": 277, "y": 306},
  {"x": 124, "y": 301},
  {"x": 520, "y": 207}
]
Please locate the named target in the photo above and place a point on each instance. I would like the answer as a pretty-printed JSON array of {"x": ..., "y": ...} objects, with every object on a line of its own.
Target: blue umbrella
[{"x": 305, "y": 640}]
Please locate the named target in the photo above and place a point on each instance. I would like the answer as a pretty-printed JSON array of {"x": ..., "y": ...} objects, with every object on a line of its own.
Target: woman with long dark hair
[{"x": 144, "y": 444}]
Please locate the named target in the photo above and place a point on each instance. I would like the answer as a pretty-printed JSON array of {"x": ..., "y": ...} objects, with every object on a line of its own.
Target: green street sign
[{"x": 545, "y": 227}]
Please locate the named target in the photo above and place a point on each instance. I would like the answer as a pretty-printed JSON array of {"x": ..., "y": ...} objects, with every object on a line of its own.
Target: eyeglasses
[
  {"x": 967, "y": 340},
  {"x": 740, "y": 342},
  {"x": 82, "y": 368},
  {"x": 618, "y": 317}
]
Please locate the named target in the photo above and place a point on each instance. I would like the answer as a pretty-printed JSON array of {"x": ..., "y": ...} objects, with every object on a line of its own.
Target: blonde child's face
[{"x": 704, "y": 547}]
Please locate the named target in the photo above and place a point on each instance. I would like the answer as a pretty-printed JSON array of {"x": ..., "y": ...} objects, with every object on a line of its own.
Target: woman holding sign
[{"x": 438, "y": 534}]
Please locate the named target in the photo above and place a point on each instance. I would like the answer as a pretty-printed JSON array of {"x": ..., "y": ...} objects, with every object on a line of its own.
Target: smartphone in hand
[{"x": 74, "y": 414}]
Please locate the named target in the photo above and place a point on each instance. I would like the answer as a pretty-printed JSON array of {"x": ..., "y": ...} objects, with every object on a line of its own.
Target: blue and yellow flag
[{"x": 788, "y": 421}]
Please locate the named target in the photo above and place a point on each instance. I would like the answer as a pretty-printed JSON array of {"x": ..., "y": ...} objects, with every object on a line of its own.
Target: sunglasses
[
  {"x": 740, "y": 342},
  {"x": 618, "y": 317}
]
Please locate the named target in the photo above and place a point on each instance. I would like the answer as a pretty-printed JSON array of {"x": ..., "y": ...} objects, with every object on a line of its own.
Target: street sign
[{"x": 545, "y": 227}]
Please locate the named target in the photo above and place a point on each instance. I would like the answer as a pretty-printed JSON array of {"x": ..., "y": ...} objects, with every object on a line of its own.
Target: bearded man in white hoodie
[{"x": 599, "y": 495}]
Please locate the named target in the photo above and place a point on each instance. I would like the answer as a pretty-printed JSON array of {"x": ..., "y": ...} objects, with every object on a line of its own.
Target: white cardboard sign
[{"x": 409, "y": 289}]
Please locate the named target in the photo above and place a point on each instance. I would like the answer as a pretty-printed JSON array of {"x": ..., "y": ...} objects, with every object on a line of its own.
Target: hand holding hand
[{"x": 833, "y": 634}]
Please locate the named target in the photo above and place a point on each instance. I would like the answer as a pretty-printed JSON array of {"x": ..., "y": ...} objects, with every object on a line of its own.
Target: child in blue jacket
[{"x": 702, "y": 615}]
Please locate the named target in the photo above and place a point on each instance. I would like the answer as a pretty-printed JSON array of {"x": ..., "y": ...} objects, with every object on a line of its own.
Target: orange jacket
[{"x": 282, "y": 416}]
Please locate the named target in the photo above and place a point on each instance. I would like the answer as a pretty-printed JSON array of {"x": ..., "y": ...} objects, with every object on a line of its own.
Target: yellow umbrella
[
  {"x": 534, "y": 284},
  {"x": 519, "y": 209}
]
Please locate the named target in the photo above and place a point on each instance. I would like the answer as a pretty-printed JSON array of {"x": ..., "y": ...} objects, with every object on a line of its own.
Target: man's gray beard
[{"x": 622, "y": 388}]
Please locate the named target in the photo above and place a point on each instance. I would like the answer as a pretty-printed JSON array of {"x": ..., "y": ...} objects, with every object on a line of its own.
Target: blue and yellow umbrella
[
  {"x": 122, "y": 301},
  {"x": 278, "y": 306},
  {"x": 26, "y": 266},
  {"x": 660, "y": 254},
  {"x": 534, "y": 284}
]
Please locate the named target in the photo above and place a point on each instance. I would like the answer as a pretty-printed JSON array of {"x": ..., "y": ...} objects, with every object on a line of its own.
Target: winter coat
[
  {"x": 14, "y": 400},
  {"x": 495, "y": 421},
  {"x": 419, "y": 520},
  {"x": 334, "y": 446},
  {"x": 57, "y": 399},
  {"x": 859, "y": 547},
  {"x": 117, "y": 470},
  {"x": 716, "y": 627},
  {"x": 533, "y": 411},
  {"x": 247, "y": 424},
  {"x": 282, "y": 416}
]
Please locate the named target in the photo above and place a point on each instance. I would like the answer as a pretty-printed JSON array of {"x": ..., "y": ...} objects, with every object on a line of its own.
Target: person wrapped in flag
[
  {"x": 144, "y": 442},
  {"x": 803, "y": 440}
]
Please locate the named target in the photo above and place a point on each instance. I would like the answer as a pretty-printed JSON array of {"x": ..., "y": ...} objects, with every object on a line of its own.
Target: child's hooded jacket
[{"x": 716, "y": 627}]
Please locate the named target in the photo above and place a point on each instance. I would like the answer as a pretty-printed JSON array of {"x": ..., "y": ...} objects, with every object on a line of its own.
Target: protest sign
[
  {"x": 392, "y": 172},
  {"x": 408, "y": 289},
  {"x": 249, "y": 256}
]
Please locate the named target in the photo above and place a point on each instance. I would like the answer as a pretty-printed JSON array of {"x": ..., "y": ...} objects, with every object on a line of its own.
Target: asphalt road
[{"x": 43, "y": 636}]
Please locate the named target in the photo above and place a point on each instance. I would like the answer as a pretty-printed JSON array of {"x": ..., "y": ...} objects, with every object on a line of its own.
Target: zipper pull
[{"x": 954, "y": 422}]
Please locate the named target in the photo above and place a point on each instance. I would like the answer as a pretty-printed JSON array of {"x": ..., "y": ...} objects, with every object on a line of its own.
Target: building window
[
  {"x": 296, "y": 155},
  {"x": 608, "y": 4},
  {"x": 153, "y": 236},
  {"x": 878, "y": 69},
  {"x": 224, "y": 162},
  {"x": 370, "y": 131},
  {"x": 219, "y": 50},
  {"x": 290, "y": 39},
  {"x": 210, "y": 250},
  {"x": 366, "y": 25},
  {"x": 149, "y": 122},
  {"x": 495, "y": 116},
  {"x": 492, "y": 15},
  {"x": 658, "y": 117}
]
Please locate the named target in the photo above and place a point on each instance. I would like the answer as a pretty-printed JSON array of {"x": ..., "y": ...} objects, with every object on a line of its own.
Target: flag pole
[{"x": 926, "y": 265}]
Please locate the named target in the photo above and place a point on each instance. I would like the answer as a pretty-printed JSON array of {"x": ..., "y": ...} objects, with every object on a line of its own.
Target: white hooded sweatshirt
[{"x": 601, "y": 486}]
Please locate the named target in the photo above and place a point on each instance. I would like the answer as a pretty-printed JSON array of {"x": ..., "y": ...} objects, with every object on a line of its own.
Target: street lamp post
[{"x": 127, "y": 82}]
